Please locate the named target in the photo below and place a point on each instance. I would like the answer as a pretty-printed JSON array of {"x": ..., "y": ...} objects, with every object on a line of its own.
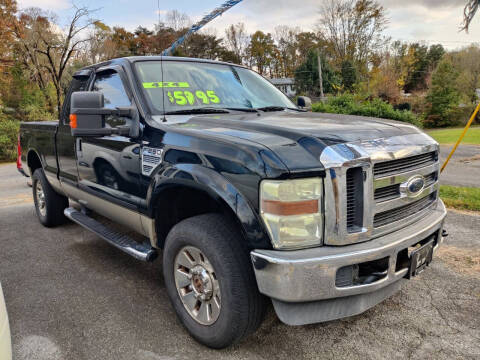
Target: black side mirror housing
[
  {"x": 304, "y": 102},
  {"x": 84, "y": 119},
  {"x": 88, "y": 115}
]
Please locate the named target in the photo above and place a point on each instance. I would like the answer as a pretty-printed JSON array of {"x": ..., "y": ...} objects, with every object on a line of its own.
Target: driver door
[{"x": 109, "y": 166}]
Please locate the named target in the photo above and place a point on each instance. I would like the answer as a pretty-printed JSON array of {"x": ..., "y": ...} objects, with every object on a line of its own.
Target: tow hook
[{"x": 444, "y": 233}]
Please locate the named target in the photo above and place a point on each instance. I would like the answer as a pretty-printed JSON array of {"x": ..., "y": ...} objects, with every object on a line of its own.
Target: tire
[
  {"x": 242, "y": 306},
  {"x": 50, "y": 205}
]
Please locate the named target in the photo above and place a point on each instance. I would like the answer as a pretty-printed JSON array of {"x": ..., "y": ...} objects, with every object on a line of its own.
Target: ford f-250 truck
[{"x": 249, "y": 197}]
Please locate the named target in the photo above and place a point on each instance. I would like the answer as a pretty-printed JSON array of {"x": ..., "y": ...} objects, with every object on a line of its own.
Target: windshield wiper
[
  {"x": 276, "y": 108},
  {"x": 205, "y": 110},
  {"x": 243, "y": 109}
]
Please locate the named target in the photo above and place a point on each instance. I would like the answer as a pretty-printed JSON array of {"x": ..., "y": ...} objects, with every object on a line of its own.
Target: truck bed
[{"x": 39, "y": 137}]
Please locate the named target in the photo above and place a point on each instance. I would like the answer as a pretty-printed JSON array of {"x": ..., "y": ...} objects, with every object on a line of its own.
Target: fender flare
[
  {"x": 27, "y": 156},
  {"x": 219, "y": 189}
]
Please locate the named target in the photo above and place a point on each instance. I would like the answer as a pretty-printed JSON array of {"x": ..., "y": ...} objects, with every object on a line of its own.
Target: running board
[{"x": 123, "y": 242}]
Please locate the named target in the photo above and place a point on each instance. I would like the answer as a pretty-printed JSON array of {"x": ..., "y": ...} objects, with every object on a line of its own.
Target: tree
[
  {"x": 203, "y": 46},
  {"x": 30, "y": 24},
  {"x": 261, "y": 51},
  {"x": 414, "y": 64},
  {"x": 8, "y": 9},
  {"x": 100, "y": 47},
  {"x": 353, "y": 28},
  {"x": 443, "y": 98},
  {"x": 305, "y": 42},
  {"x": 8, "y": 22},
  {"x": 468, "y": 66},
  {"x": 55, "y": 47},
  {"x": 123, "y": 41},
  {"x": 384, "y": 77},
  {"x": 236, "y": 41},
  {"x": 144, "y": 41},
  {"x": 470, "y": 10},
  {"x": 349, "y": 75},
  {"x": 306, "y": 76},
  {"x": 177, "y": 20},
  {"x": 286, "y": 40}
]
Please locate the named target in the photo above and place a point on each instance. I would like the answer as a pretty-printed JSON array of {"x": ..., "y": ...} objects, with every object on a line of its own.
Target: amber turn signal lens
[
  {"x": 290, "y": 208},
  {"x": 73, "y": 121}
]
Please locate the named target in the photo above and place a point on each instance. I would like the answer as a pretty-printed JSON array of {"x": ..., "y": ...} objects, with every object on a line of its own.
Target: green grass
[
  {"x": 462, "y": 198},
  {"x": 450, "y": 136}
]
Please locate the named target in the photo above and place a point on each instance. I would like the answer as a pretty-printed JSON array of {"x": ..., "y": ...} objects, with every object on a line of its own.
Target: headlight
[{"x": 292, "y": 212}]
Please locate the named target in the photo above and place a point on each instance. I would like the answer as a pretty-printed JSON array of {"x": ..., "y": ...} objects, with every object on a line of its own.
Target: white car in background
[{"x": 5, "y": 342}]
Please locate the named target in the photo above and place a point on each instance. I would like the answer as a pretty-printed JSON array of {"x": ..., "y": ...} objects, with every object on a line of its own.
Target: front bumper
[{"x": 303, "y": 283}]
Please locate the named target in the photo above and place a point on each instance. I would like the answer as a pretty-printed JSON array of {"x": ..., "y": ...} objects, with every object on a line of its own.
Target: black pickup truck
[{"x": 250, "y": 197}]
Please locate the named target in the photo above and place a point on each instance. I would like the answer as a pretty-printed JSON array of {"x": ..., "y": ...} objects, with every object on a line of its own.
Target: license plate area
[{"x": 420, "y": 258}]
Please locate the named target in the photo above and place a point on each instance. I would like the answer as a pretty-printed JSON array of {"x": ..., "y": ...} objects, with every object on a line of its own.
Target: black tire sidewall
[
  {"x": 38, "y": 177},
  {"x": 54, "y": 202},
  {"x": 231, "y": 323}
]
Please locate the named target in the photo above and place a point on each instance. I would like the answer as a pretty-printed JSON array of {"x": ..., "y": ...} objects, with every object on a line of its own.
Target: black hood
[{"x": 297, "y": 138}]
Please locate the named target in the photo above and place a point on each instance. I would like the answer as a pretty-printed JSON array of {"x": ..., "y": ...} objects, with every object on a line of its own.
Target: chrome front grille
[
  {"x": 407, "y": 164},
  {"x": 386, "y": 194},
  {"x": 350, "y": 200},
  {"x": 389, "y": 192},
  {"x": 354, "y": 199},
  {"x": 400, "y": 213},
  {"x": 393, "y": 202}
]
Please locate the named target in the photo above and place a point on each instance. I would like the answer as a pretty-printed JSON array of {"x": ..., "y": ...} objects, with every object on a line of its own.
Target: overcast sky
[{"x": 433, "y": 21}]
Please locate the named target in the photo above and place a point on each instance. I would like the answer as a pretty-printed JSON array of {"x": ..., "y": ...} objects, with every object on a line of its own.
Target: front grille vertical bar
[{"x": 355, "y": 195}]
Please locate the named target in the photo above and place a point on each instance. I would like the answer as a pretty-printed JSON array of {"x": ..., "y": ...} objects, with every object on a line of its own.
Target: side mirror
[
  {"x": 88, "y": 112},
  {"x": 304, "y": 102}
]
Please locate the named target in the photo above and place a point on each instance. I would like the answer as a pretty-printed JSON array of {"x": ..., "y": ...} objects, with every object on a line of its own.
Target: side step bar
[{"x": 123, "y": 242}]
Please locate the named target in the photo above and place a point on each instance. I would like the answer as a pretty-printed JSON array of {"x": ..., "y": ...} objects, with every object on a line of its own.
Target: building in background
[{"x": 285, "y": 85}]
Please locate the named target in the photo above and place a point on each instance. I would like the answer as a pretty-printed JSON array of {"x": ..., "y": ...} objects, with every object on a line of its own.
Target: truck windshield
[{"x": 194, "y": 86}]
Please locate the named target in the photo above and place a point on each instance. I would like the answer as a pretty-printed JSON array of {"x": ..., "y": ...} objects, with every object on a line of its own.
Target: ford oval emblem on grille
[{"x": 413, "y": 186}]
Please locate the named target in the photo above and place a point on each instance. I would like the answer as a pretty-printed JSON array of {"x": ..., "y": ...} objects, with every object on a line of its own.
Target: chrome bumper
[{"x": 309, "y": 275}]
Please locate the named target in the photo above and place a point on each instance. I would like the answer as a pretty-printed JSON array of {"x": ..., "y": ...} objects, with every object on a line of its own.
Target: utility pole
[{"x": 320, "y": 76}]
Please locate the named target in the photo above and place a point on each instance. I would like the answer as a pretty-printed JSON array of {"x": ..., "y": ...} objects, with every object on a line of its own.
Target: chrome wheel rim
[
  {"x": 40, "y": 195},
  {"x": 197, "y": 285}
]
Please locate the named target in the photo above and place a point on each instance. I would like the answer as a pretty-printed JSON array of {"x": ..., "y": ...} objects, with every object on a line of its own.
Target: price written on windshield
[{"x": 183, "y": 98}]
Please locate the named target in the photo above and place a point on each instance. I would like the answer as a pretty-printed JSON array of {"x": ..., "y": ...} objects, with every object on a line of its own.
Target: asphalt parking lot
[
  {"x": 464, "y": 167},
  {"x": 72, "y": 296}
]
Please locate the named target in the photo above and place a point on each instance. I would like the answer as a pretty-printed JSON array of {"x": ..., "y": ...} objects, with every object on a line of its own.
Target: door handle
[{"x": 127, "y": 157}]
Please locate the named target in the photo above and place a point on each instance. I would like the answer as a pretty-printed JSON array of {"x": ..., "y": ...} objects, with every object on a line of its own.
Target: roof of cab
[{"x": 133, "y": 59}]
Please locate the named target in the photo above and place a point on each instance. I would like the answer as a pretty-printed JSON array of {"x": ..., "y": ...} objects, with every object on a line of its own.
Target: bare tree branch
[{"x": 469, "y": 12}]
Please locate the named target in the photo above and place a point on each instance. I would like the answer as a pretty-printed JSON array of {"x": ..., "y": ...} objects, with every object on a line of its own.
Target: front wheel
[{"x": 210, "y": 281}]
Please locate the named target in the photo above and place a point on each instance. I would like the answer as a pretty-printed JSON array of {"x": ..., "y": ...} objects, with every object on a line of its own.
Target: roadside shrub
[
  {"x": 347, "y": 104},
  {"x": 8, "y": 138}
]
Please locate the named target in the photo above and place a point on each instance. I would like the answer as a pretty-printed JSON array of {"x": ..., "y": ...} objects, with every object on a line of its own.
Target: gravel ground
[{"x": 72, "y": 296}]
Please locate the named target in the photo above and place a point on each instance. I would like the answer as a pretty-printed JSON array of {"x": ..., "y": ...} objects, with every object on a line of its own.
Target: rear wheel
[
  {"x": 210, "y": 281},
  {"x": 49, "y": 205}
]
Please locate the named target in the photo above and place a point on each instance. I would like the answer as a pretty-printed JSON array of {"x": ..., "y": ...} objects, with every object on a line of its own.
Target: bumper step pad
[{"x": 143, "y": 252}]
